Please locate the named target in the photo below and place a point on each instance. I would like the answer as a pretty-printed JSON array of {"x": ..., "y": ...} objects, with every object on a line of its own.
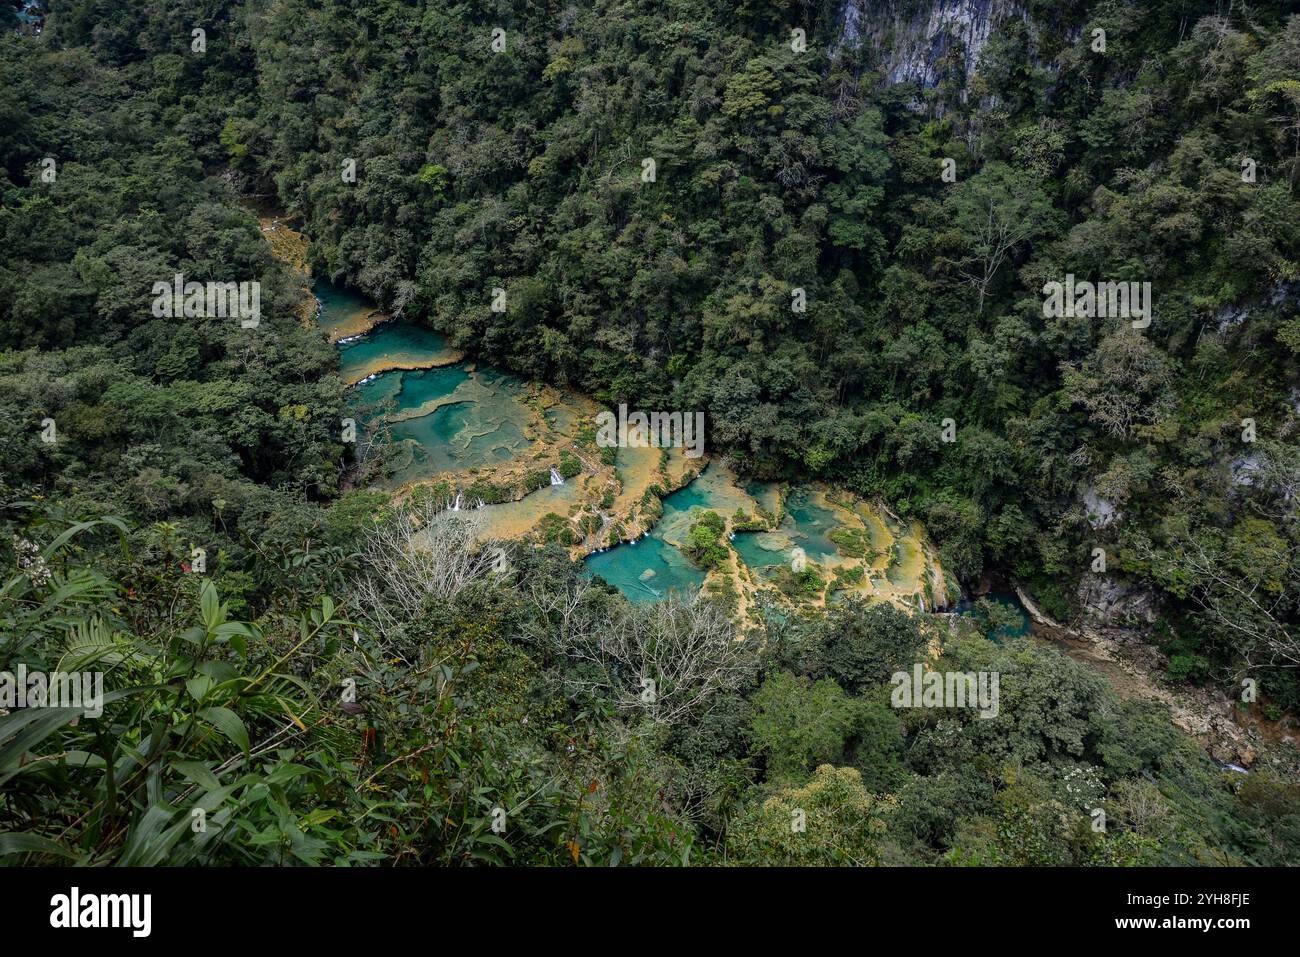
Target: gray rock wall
[{"x": 906, "y": 40}]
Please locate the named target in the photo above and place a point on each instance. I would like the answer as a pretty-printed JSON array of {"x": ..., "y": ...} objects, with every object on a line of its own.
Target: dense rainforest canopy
[{"x": 1171, "y": 156}]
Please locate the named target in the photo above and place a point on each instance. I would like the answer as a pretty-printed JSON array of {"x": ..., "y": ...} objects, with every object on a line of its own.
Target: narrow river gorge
[
  {"x": 521, "y": 460},
  {"x": 496, "y": 446}
]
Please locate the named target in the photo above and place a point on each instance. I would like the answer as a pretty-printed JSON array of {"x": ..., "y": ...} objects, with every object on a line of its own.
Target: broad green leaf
[
  {"x": 229, "y": 724},
  {"x": 210, "y": 605},
  {"x": 21, "y": 842}
]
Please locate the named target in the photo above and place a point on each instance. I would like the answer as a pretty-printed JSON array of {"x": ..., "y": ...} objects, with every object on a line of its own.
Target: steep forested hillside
[
  {"x": 506, "y": 145},
  {"x": 777, "y": 170}
]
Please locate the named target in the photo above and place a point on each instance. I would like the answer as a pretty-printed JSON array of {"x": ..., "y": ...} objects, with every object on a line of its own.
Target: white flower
[{"x": 31, "y": 562}]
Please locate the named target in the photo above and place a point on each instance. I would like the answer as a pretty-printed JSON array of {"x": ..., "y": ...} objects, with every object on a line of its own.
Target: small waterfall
[
  {"x": 455, "y": 506},
  {"x": 481, "y": 504},
  {"x": 556, "y": 478}
]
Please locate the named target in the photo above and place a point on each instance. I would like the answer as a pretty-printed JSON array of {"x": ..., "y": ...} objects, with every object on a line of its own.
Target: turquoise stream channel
[
  {"x": 468, "y": 415},
  {"x": 804, "y": 524},
  {"x": 449, "y": 415},
  {"x": 966, "y": 608},
  {"x": 398, "y": 342},
  {"x": 645, "y": 570},
  {"x": 452, "y": 417}
]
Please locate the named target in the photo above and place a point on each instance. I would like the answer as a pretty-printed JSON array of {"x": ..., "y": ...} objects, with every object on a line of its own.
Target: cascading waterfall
[{"x": 556, "y": 478}]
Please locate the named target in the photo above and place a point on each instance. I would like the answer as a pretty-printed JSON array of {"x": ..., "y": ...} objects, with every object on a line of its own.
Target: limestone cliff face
[
  {"x": 1105, "y": 602},
  {"x": 917, "y": 41}
]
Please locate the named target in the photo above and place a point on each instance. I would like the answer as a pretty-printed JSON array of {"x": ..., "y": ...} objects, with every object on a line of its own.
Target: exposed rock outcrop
[
  {"x": 914, "y": 42},
  {"x": 1104, "y": 639},
  {"x": 1106, "y": 602},
  {"x": 1098, "y": 511}
]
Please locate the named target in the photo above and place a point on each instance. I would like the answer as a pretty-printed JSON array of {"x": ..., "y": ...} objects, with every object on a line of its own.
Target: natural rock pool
[
  {"x": 392, "y": 345},
  {"x": 466, "y": 423}
]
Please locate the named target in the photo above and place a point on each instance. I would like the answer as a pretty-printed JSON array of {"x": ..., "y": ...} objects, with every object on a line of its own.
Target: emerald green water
[
  {"x": 337, "y": 305},
  {"x": 695, "y": 495},
  {"x": 698, "y": 496},
  {"x": 410, "y": 390},
  {"x": 456, "y": 417},
  {"x": 762, "y": 549},
  {"x": 804, "y": 524},
  {"x": 810, "y": 524},
  {"x": 766, "y": 494},
  {"x": 377, "y": 392},
  {"x": 397, "y": 343},
  {"x": 448, "y": 418},
  {"x": 625, "y": 566},
  {"x": 967, "y": 610}
]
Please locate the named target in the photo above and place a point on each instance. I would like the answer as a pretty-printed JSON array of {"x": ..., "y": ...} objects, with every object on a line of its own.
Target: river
[{"x": 475, "y": 427}]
